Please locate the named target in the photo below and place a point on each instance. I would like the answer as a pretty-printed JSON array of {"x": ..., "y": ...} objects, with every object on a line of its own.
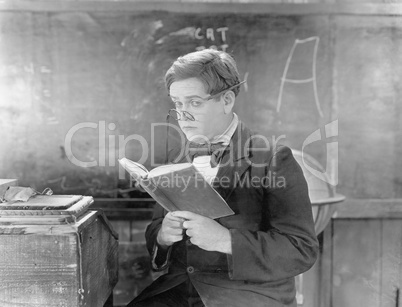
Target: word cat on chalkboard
[{"x": 210, "y": 34}]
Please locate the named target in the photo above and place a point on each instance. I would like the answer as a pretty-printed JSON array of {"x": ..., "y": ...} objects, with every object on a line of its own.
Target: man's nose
[
  {"x": 185, "y": 107},
  {"x": 183, "y": 115},
  {"x": 184, "y": 111}
]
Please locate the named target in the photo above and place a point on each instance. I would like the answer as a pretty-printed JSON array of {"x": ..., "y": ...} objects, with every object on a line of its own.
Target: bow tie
[{"x": 214, "y": 150}]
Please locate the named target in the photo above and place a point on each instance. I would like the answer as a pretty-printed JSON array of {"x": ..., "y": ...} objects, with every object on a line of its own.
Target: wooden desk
[{"x": 45, "y": 263}]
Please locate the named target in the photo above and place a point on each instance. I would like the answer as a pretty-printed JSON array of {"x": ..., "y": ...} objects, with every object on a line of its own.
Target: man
[{"x": 246, "y": 259}]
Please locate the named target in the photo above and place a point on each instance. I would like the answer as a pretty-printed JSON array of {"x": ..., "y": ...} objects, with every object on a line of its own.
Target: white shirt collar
[{"x": 228, "y": 133}]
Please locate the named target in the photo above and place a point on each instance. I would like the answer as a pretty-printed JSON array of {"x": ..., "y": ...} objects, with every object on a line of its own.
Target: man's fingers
[
  {"x": 189, "y": 233},
  {"x": 188, "y": 224},
  {"x": 176, "y": 238},
  {"x": 172, "y": 217},
  {"x": 175, "y": 224},
  {"x": 176, "y": 231},
  {"x": 186, "y": 215}
]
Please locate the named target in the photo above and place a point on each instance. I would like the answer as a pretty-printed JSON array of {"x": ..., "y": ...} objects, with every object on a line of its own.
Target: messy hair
[{"x": 217, "y": 70}]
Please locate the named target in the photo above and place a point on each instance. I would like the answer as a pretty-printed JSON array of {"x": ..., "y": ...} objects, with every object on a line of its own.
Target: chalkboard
[{"x": 96, "y": 78}]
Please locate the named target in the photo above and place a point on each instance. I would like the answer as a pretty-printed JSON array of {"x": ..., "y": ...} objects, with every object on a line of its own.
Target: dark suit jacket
[{"x": 272, "y": 231}]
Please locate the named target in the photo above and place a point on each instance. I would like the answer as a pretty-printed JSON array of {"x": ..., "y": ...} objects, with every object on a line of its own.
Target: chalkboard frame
[{"x": 394, "y": 9}]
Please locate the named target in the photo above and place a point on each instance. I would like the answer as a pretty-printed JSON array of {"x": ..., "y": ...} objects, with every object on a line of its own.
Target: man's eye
[
  {"x": 195, "y": 103},
  {"x": 178, "y": 104}
]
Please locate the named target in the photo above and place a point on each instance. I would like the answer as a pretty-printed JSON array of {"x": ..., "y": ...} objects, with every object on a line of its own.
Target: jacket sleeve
[
  {"x": 288, "y": 246},
  {"x": 160, "y": 257}
]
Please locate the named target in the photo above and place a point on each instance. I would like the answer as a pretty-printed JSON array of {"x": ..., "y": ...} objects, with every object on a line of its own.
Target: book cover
[{"x": 179, "y": 187}]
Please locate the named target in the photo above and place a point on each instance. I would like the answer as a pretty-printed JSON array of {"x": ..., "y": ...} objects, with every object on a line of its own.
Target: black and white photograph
[{"x": 200, "y": 153}]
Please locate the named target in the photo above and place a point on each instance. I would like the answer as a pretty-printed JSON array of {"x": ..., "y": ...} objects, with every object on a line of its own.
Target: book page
[
  {"x": 168, "y": 168},
  {"x": 136, "y": 170}
]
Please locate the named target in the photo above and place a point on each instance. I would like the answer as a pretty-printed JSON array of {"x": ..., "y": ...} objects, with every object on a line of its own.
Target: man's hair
[{"x": 217, "y": 70}]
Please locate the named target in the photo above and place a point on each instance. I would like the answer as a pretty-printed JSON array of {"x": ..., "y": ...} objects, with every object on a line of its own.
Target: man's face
[{"x": 190, "y": 95}]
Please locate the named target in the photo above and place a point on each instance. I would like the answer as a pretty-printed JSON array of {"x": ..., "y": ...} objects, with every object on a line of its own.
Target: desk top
[
  {"x": 43, "y": 202},
  {"x": 44, "y": 209}
]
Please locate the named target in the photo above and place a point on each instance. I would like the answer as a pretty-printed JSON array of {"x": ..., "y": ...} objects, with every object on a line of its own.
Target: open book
[{"x": 179, "y": 187}]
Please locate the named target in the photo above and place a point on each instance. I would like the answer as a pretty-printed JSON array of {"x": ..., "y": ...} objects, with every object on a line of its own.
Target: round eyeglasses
[{"x": 180, "y": 115}]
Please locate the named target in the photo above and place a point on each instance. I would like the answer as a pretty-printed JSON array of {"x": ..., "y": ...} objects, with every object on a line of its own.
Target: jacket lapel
[{"x": 234, "y": 162}]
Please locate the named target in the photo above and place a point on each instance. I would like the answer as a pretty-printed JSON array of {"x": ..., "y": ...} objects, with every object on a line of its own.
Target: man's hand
[
  {"x": 171, "y": 230},
  {"x": 205, "y": 232}
]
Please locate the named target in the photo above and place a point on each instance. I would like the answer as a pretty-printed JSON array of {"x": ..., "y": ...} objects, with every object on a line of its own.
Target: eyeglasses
[
  {"x": 198, "y": 102},
  {"x": 179, "y": 115}
]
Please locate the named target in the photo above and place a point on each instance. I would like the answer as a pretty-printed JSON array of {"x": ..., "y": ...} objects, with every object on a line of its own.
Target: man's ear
[{"x": 228, "y": 101}]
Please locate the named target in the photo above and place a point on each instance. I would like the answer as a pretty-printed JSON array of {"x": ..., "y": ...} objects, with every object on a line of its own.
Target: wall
[{"x": 103, "y": 71}]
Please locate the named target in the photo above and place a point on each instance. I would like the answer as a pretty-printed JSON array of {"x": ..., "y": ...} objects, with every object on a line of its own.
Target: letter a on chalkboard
[{"x": 312, "y": 79}]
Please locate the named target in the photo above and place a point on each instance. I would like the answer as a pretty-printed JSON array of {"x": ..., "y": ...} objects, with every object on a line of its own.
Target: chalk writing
[
  {"x": 45, "y": 70},
  {"x": 213, "y": 35},
  {"x": 29, "y": 68},
  {"x": 94, "y": 184},
  {"x": 93, "y": 187},
  {"x": 315, "y": 40},
  {"x": 210, "y": 33},
  {"x": 185, "y": 32},
  {"x": 222, "y": 47},
  {"x": 216, "y": 38}
]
